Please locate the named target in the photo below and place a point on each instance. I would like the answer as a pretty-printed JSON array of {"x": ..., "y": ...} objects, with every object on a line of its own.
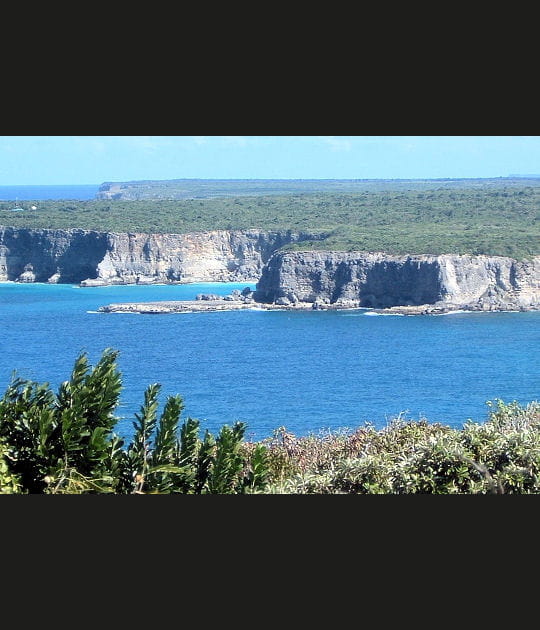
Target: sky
[{"x": 71, "y": 160}]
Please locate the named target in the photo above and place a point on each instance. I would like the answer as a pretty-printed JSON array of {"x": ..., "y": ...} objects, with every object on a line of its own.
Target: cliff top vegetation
[
  {"x": 499, "y": 220},
  {"x": 206, "y": 188}
]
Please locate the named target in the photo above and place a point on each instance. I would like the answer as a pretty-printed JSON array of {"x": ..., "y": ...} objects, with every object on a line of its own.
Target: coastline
[{"x": 213, "y": 305}]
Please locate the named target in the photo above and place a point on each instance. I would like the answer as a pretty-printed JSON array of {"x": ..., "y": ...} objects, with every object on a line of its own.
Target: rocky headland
[
  {"x": 285, "y": 279},
  {"x": 404, "y": 285}
]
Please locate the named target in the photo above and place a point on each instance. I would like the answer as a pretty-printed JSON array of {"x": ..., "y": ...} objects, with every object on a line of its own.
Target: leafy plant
[
  {"x": 9, "y": 482},
  {"x": 48, "y": 436},
  {"x": 500, "y": 456},
  {"x": 64, "y": 442}
]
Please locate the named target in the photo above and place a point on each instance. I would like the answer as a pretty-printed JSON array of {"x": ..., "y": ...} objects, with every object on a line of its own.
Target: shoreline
[
  {"x": 245, "y": 301},
  {"x": 195, "y": 306}
]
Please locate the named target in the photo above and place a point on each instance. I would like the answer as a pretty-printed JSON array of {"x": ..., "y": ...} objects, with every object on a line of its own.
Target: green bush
[
  {"x": 9, "y": 483},
  {"x": 499, "y": 456},
  {"x": 54, "y": 439},
  {"x": 64, "y": 442},
  {"x": 508, "y": 446}
]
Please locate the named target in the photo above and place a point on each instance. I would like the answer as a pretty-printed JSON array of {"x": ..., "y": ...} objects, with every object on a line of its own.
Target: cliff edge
[
  {"x": 94, "y": 258},
  {"x": 383, "y": 281}
]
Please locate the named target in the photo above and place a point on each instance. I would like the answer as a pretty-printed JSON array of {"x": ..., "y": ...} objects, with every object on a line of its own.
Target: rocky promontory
[{"x": 404, "y": 285}]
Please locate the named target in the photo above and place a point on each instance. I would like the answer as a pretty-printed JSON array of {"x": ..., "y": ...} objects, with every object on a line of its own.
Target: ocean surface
[
  {"x": 307, "y": 371},
  {"x": 37, "y": 193}
]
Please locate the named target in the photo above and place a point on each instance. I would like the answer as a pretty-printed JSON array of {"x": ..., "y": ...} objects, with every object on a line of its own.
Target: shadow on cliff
[
  {"x": 81, "y": 258},
  {"x": 65, "y": 255},
  {"x": 397, "y": 283}
]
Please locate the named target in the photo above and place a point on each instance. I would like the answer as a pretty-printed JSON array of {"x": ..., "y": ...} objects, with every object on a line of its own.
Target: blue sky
[{"x": 41, "y": 160}]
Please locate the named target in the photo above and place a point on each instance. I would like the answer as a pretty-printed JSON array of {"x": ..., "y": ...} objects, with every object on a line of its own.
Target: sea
[
  {"x": 311, "y": 372},
  {"x": 79, "y": 192}
]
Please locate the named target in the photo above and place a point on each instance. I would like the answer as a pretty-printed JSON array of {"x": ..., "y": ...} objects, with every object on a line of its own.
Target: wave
[
  {"x": 372, "y": 314},
  {"x": 116, "y": 312}
]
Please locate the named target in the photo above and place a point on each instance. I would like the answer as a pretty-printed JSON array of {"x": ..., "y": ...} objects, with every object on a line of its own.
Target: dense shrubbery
[
  {"x": 501, "y": 221},
  {"x": 64, "y": 443},
  {"x": 501, "y": 456}
]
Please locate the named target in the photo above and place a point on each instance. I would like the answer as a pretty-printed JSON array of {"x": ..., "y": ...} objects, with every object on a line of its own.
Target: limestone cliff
[
  {"x": 341, "y": 279},
  {"x": 92, "y": 258},
  {"x": 381, "y": 280}
]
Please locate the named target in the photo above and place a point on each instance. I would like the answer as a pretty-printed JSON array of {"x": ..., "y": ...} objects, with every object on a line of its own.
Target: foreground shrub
[
  {"x": 288, "y": 455},
  {"x": 9, "y": 483},
  {"x": 508, "y": 446},
  {"x": 53, "y": 438},
  {"x": 416, "y": 457},
  {"x": 64, "y": 442}
]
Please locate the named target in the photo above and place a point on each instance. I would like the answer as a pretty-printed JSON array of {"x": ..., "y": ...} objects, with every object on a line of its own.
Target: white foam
[{"x": 385, "y": 314}]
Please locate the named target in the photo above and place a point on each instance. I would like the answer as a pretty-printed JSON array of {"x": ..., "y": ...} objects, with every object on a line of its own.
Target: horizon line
[{"x": 288, "y": 179}]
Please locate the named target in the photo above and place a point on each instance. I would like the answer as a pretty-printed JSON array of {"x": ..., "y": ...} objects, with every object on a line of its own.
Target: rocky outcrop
[
  {"x": 98, "y": 258},
  {"x": 405, "y": 285},
  {"x": 382, "y": 281},
  {"x": 217, "y": 256}
]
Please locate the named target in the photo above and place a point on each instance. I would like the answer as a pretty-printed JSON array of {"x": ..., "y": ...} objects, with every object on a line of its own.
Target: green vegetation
[
  {"x": 501, "y": 221},
  {"x": 500, "y": 456},
  {"x": 206, "y": 188},
  {"x": 63, "y": 443}
]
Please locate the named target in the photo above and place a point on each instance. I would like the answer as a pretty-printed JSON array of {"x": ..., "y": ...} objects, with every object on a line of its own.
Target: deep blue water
[
  {"x": 36, "y": 193},
  {"x": 307, "y": 371}
]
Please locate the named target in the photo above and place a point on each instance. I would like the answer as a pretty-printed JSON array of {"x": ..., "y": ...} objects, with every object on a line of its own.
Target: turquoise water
[{"x": 307, "y": 371}]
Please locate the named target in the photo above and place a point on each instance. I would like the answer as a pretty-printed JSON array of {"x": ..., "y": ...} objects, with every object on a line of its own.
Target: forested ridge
[
  {"x": 491, "y": 220},
  {"x": 204, "y": 188}
]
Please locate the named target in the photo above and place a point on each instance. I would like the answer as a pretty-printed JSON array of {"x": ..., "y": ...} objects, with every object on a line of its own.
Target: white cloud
[
  {"x": 239, "y": 141},
  {"x": 336, "y": 143},
  {"x": 152, "y": 143}
]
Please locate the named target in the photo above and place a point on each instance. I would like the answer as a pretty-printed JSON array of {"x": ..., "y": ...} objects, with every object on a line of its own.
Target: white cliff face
[
  {"x": 490, "y": 280},
  {"x": 380, "y": 280},
  {"x": 198, "y": 257},
  {"x": 94, "y": 258},
  {"x": 215, "y": 256},
  {"x": 4, "y": 252}
]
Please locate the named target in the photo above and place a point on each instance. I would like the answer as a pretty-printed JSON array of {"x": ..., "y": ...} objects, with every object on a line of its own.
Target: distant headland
[{"x": 177, "y": 189}]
